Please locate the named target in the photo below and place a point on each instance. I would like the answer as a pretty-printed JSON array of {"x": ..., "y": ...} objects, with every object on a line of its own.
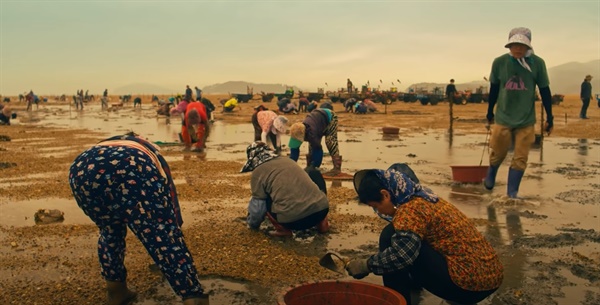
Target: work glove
[
  {"x": 549, "y": 125},
  {"x": 358, "y": 268}
]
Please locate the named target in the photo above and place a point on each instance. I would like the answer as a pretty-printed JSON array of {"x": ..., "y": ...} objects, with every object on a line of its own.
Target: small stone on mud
[{"x": 45, "y": 216}]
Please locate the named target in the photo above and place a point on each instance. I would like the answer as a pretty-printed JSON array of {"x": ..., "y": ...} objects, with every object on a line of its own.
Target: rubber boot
[
  {"x": 119, "y": 294},
  {"x": 514, "y": 180},
  {"x": 337, "y": 166},
  {"x": 323, "y": 226},
  {"x": 490, "y": 178},
  {"x": 280, "y": 230},
  {"x": 203, "y": 300}
]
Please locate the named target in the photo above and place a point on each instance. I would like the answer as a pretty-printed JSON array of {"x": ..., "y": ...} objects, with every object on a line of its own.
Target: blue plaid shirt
[{"x": 403, "y": 252}]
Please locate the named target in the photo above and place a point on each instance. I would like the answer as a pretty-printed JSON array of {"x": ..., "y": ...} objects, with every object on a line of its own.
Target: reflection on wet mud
[
  {"x": 582, "y": 148},
  {"x": 549, "y": 249}
]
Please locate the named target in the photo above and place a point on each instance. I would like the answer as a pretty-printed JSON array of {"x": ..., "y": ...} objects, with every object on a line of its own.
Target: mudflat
[{"x": 549, "y": 241}]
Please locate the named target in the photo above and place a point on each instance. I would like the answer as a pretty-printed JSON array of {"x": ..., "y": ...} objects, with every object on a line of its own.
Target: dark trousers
[
  {"x": 584, "y": 107},
  {"x": 312, "y": 219},
  {"x": 428, "y": 271}
]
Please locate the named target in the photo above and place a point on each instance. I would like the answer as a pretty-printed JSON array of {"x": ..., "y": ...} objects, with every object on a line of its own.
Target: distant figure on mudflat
[
  {"x": 450, "y": 91},
  {"x": 188, "y": 92},
  {"x": 230, "y": 104},
  {"x": 6, "y": 114},
  {"x": 586, "y": 96},
  {"x": 137, "y": 102},
  {"x": 198, "y": 94}
]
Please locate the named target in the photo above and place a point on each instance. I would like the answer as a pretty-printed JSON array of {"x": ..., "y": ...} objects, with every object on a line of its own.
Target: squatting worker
[
  {"x": 318, "y": 123},
  {"x": 124, "y": 182},
  {"x": 513, "y": 80},
  {"x": 289, "y": 197},
  {"x": 428, "y": 243}
]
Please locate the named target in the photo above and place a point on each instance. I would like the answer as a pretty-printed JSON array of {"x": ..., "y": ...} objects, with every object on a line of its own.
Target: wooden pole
[{"x": 451, "y": 102}]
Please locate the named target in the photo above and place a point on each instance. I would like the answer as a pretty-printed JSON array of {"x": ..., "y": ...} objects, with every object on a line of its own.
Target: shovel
[{"x": 330, "y": 263}]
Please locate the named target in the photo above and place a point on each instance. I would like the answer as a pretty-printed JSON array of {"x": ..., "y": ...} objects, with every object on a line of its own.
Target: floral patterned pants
[{"x": 120, "y": 187}]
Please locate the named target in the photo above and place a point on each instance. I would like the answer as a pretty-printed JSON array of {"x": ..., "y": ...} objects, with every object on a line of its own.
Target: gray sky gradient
[{"x": 56, "y": 47}]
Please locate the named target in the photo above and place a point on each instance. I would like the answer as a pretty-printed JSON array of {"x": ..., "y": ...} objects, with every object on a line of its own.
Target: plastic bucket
[
  {"x": 341, "y": 293},
  {"x": 469, "y": 173}
]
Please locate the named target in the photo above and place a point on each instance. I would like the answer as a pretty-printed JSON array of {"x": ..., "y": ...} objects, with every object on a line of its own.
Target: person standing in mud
[
  {"x": 124, "y": 182},
  {"x": 586, "y": 96},
  {"x": 104, "y": 100},
  {"x": 289, "y": 197},
  {"x": 450, "y": 91},
  {"x": 198, "y": 93},
  {"x": 269, "y": 126},
  {"x": 320, "y": 122},
  {"x": 349, "y": 86},
  {"x": 513, "y": 79},
  {"x": 188, "y": 93},
  {"x": 428, "y": 243}
]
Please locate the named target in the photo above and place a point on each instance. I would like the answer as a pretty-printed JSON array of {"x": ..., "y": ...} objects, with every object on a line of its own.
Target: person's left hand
[{"x": 358, "y": 268}]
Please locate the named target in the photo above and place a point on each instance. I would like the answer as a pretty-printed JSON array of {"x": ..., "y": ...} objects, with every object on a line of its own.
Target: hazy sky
[{"x": 56, "y": 47}]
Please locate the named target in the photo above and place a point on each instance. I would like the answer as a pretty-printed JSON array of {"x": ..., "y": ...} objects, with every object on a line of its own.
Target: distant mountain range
[
  {"x": 564, "y": 79},
  {"x": 242, "y": 87},
  {"x": 567, "y": 78},
  {"x": 144, "y": 88}
]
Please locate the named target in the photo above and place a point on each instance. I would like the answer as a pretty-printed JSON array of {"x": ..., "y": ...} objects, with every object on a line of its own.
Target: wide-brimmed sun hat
[{"x": 519, "y": 35}]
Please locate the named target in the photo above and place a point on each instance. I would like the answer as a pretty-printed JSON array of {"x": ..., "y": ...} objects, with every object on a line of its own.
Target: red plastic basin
[
  {"x": 341, "y": 293},
  {"x": 469, "y": 173}
]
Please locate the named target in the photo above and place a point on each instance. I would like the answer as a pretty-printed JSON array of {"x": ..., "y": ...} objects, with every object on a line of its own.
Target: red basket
[
  {"x": 469, "y": 173},
  {"x": 341, "y": 293}
]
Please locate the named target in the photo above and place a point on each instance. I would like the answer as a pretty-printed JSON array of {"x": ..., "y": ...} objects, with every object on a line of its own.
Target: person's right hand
[
  {"x": 490, "y": 118},
  {"x": 358, "y": 268}
]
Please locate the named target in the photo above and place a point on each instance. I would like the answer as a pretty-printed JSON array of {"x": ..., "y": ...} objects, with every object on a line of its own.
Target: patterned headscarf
[
  {"x": 279, "y": 125},
  {"x": 402, "y": 188},
  {"x": 258, "y": 153}
]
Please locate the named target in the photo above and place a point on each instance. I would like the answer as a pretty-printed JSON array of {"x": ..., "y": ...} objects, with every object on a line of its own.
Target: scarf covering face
[
  {"x": 402, "y": 189},
  {"x": 258, "y": 153}
]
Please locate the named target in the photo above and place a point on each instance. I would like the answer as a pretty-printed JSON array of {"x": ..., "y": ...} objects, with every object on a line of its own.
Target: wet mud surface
[{"x": 548, "y": 240}]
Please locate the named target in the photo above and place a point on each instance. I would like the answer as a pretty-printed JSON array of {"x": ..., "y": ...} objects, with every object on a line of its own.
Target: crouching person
[
  {"x": 429, "y": 243},
  {"x": 284, "y": 193},
  {"x": 269, "y": 126},
  {"x": 196, "y": 127},
  {"x": 6, "y": 114},
  {"x": 125, "y": 182}
]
